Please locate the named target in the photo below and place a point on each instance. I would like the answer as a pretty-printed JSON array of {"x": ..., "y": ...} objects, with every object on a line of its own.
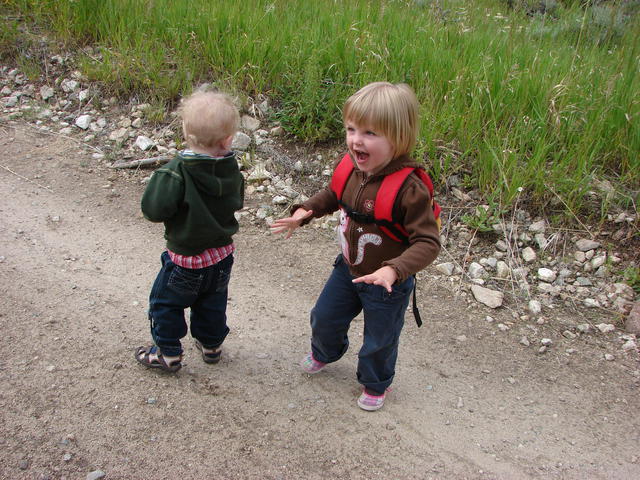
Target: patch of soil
[{"x": 469, "y": 401}]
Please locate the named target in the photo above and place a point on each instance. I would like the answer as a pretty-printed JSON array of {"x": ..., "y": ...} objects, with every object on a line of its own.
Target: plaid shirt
[{"x": 209, "y": 257}]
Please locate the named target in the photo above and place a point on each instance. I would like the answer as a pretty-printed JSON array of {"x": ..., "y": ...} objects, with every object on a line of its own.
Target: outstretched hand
[
  {"x": 289, "y": 224},
  {"x": 384, "y": 276}
]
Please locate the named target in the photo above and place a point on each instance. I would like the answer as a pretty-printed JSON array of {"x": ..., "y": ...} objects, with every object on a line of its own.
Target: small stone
[
  {"x": 535, "y": 307},
  {"x": 23, "y": 464},
  {"x": 591, "y": 303},
  {"x": 490, "y": 298},
  {"x": 584, "y": 328},
  {"x": 241, "y": 141},
  {"x": 529, "y": 255},
  {"x": 546, "y": 342},
  {"x": 501, "y": 246},
  {"x": 542, "y": 349},
  {"x": 249, "y": 123},
  {"x": 605, "y": 327},
  {"x": 476, "y": 271},
  {"x": 69, "y": 86},
  {"x": 502, "y": 327},
  {"x": 276, "y": 131},
  {"x": 461, "y": 338},
  {"x": 632, "y": 323},
  {"x": 629, "y": 345},
  {"x": 584, "y": 245},
  {"x": 446, "y": 268},
  {"x": 96, "y": 475},
  {"x": 83, "y": 95},
  {"x": 83, "y": 121},
  {"x": 503, "y": 271},
  {"x": 50, "y": 368},
  {"x": 460, "y": 403},
  {"x": 152, "y": 401},
  {"x": 525, "y": 341},
  {"x": 608, "y": 357},
  {"x": 46, "y": 92},
  {"x": 546, "y": 275},
  {"x": 538, "y": 227},
  {"x": 144, "y": 143},
  {"x": 67, "y": 457},
  {"x": 569, "y": 334}
]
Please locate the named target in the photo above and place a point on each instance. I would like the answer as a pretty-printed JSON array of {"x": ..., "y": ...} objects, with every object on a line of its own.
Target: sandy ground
[{"x": 76, "y": 263}]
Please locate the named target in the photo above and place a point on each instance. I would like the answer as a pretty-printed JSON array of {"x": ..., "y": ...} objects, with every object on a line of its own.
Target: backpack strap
[
  {"x": 341, "y": 175},
  {"x": 385, "y": 199}
]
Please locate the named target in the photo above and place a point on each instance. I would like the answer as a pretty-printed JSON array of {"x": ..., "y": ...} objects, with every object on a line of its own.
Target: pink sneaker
[
  {"x": 310, "y": 365},
  {"x": 370, "y": 403}
]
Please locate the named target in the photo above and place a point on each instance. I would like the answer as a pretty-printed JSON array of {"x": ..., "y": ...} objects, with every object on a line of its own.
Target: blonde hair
[
  {"x": 389, "y": 109},
  {"x": 207, "y": 118}
]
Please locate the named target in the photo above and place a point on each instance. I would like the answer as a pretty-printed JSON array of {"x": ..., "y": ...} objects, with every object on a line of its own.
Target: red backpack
[
  {"x": 385, "y": 198},
  {"x": 383, "y": 208}
]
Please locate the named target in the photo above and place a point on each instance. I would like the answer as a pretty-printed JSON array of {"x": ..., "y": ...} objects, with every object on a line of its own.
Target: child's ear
[{"x": 226, "y": 143}]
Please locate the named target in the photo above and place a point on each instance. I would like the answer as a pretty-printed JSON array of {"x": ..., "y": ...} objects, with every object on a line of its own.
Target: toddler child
[
  {"x": 374, "y": 273},
  {"x": 195, "y": 195}
]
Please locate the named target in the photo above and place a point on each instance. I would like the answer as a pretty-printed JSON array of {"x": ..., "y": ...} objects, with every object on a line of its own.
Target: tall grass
[{"x": 509, "y": 101}]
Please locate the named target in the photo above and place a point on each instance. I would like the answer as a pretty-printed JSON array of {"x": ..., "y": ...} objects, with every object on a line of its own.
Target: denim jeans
[
  {"x": 338, "y": 304},
  {"x": 204, "y": 290}
]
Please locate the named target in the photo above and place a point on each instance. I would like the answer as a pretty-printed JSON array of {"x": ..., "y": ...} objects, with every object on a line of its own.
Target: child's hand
[
  {"x": 289, "y": 224},
  {"x": 385, "y": 277}
]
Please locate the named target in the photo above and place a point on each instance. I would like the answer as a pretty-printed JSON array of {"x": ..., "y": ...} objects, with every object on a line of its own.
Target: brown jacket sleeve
[{"x": 419, "y": 221}]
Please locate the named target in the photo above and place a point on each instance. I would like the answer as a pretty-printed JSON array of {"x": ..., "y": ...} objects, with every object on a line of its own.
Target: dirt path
[{"x": 76, "y": 263}]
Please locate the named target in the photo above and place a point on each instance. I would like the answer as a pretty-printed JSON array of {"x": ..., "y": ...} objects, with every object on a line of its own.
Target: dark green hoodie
[{"x": 195, "y": 196}]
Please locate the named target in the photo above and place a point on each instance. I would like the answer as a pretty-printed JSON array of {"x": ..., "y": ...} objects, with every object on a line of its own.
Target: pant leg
[
  {"x": 383, "y": 322},
  {"x": 332, "y": 314},
  {"x": 174, "y": 289},
  {"x": 209, "y": 312}
]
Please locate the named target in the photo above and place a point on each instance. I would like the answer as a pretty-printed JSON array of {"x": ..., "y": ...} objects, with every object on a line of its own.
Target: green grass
[{"x": 547, "y": 103}]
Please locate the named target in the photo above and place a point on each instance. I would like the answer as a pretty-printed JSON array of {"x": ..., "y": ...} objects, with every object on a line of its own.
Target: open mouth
[{"x": 360, "y": 156}]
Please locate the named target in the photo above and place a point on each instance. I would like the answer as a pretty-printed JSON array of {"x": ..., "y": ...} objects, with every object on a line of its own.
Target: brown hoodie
[{"x": 364, "y": 246}]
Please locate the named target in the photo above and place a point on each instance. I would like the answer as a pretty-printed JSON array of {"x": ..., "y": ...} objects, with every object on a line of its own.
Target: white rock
[
  {"x": 249, "y": 123},
  {"x": 280, "y": 200},
  {"x": 608, "y": 357},
  {"x": 535, "y": 307},
  {"x": 546, "y": 275},
  {"x": 476, "y": 270},
  {"x": 591, "y": 303},
  {"x": 529, "y": 255},
  {"x": 501, "y": 246},
  {"x": 629, "y": 345},
  {"x": 144, "y": 143},
  {"x": 488, "y": 297},
  {"x": 69, "y": 86},
  {"x": 83, "y": 95},
  {"x": 605, "y": 327},
  {"x": 46, "y": 92},
  {"x": 584, "y": 244},
  {"x": 525, "y": 341},
  {"x": 83, "y": 121},
  {"x": 446, "y": 268},
  {"x": 584, "y": 328},
  {"x": 546, "y": 342},
  {"x": 580, "y": 256},
  {"x": 241, "y": 141},
  {"x": 597, "y": 262},
  {"x": 538, "y": 227},
  {"x": 503, "y": 271}
]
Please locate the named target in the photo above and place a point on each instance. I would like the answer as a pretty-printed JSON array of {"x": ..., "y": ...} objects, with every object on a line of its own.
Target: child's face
[{"x": 371, "y": 150}]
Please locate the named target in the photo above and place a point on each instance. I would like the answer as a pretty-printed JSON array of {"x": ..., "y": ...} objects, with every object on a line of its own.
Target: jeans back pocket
[{"x": 184, "y": 280}]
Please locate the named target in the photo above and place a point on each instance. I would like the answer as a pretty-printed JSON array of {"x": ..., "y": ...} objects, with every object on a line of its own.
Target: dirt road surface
[{"x": 469, "y": 402}]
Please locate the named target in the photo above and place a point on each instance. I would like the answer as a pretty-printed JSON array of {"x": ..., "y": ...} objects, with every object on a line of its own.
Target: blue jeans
[
  {"x": 204, "y": 290},
  {"x": 338, "y": 304}
]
